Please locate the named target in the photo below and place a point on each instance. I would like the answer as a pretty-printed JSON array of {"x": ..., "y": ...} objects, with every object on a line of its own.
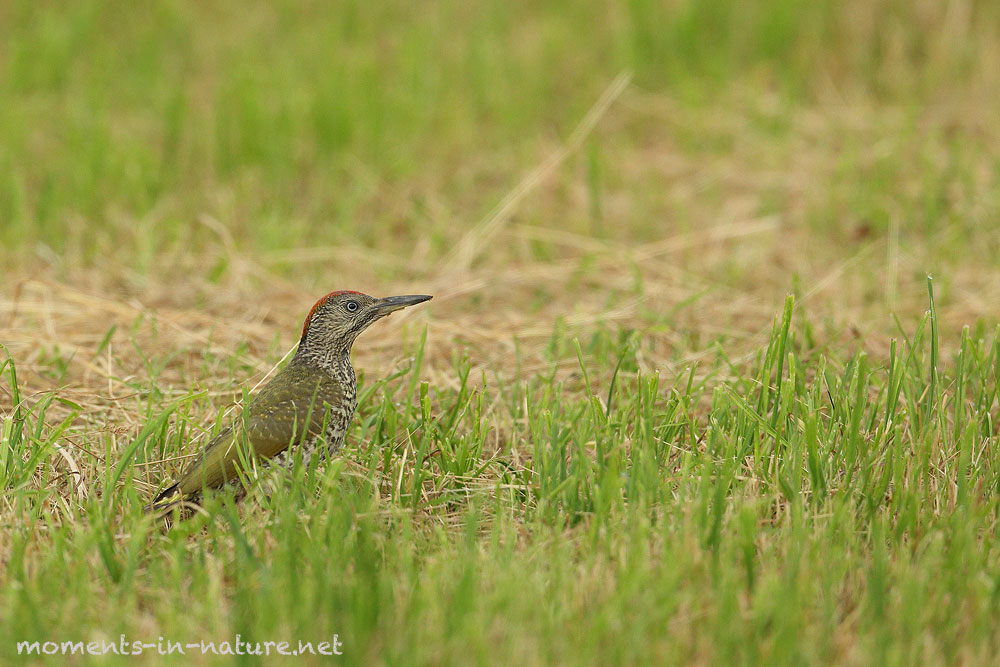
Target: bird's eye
[{"x": 352, "y": 306}]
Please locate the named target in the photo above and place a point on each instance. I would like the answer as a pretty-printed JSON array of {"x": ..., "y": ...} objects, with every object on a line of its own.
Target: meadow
[{"x": 710, "y": 375}]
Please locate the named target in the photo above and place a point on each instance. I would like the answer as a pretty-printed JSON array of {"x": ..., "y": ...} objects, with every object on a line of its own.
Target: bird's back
[{"x": 291, "y": 410}]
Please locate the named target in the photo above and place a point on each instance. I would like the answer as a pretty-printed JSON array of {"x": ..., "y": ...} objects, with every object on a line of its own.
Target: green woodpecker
[{"x": 310, "y": 401}]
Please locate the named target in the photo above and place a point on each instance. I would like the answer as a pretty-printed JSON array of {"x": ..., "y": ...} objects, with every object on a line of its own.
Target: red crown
[{"x": 319, "y": 304}]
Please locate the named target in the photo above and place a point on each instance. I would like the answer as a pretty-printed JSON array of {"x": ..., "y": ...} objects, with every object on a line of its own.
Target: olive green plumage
[
  {"x": 293, "y": 406},
  {"x": 311, "y": 400}
]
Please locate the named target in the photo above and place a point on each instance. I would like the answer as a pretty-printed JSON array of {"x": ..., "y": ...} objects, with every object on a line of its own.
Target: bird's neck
[{"x": 333, "y": 360}]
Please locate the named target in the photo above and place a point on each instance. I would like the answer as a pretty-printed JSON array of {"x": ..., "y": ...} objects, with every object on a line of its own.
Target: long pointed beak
[{"x": 391, "y": 304}]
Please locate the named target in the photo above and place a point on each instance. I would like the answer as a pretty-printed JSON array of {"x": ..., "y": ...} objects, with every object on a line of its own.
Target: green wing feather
[{"x": 274, "y": 420}]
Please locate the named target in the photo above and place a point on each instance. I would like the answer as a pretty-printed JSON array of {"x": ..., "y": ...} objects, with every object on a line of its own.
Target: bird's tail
[{"x": 167, "y": 500}]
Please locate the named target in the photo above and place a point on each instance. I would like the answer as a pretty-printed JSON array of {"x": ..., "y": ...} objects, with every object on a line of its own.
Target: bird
[{"x": 309, "y": 402}]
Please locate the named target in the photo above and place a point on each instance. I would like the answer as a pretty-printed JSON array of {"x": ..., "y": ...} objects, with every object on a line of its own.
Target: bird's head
[{"x": 337, "y": 319}]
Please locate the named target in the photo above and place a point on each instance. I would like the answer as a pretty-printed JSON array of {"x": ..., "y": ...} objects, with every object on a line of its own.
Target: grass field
[{"x": 711, "y": 373}]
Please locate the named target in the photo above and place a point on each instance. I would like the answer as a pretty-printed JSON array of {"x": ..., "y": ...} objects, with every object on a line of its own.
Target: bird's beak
[{"x": 391, "y": 304}]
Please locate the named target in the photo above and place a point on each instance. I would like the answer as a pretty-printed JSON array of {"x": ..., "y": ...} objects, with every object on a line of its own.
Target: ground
[{"x": 710, "y": 374}]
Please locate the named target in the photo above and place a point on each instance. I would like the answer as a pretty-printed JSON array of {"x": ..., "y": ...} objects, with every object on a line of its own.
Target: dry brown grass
[{"x": 707, "y": 230}]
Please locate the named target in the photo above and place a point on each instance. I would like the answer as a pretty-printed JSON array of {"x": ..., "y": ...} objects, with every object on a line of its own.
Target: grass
[{"x": 686, "y": 392}]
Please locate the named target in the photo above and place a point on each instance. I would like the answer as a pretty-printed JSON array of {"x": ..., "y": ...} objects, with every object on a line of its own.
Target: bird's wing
[
  {"x": 213, "y": 467},
  {"x": 280, "y": 417},
  {"x": 276, "y": 418}
]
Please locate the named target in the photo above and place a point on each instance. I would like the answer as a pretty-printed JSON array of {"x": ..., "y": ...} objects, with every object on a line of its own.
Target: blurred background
[
  {"x": 670, "y": 167},
  {"x": 593, "y": 191}
]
